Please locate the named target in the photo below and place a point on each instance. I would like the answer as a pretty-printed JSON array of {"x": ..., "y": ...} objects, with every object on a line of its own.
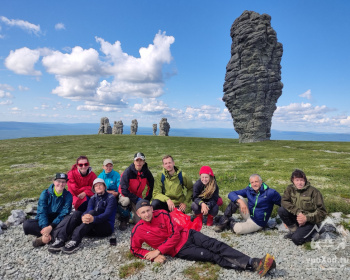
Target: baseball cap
[
  {"x": 142, "y": 203},
  {"x": 61, "y": 176},
  {"x": 107, "y": 161},
  {"x": 97, "y": 180},
  {"x": 139, "y": 155}
]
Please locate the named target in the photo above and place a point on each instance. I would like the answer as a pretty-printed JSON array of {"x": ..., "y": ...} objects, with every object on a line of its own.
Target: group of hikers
[{"x": 97, "y": 200}]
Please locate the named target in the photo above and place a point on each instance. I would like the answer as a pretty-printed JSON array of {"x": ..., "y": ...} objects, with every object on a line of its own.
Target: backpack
[{"x": 178, "y": 175}]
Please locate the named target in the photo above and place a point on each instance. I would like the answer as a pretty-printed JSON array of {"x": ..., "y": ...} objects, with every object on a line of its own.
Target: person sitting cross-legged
[
  {"x": 158, "y": 229},
  {"x": 54, "y": 204},
  {"x": 256, "y": 211},
  {"x": 97, "y": 220}
]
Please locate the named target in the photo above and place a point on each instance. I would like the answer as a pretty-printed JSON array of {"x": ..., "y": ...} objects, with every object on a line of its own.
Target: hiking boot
[
  {"x": 232, "y": 225},
  {"x": 37, "y": 242},
  {"x": 222, "y": 225},
  {"x": 70, "y": 247},
  {"x": 56, "y": 246},
  {"x": 316, "y": 236},
  {"x": 264, "y": 265},
  {"x": 123, "y": 224},
  {"x": 288, "y": 235},
  {"x": 210, "y": 219}
]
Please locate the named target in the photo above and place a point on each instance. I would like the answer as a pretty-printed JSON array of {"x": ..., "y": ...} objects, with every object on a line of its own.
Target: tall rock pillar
[{"x": 253, "y": 76}]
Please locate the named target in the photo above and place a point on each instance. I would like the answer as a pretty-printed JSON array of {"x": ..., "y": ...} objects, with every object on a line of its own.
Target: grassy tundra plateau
[{"x": 27, "y": 165}]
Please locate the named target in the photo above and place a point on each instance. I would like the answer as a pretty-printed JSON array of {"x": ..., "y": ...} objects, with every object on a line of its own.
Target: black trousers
[
  {"x": 73, "y": 228},
  {"x": 231, "y": 209},
  {"x": 303, "y": 233},
  {"x": 32, "y": 227},
  {"x": 157, "y": 204},
  {"x": 200, "y": 247}
]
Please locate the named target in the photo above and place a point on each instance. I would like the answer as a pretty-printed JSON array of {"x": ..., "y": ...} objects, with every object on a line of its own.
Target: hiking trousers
[
  {"x": 303, "y": 233},
  {"x": 200, "y": 247},
  {"x": 72, "y": 228}
]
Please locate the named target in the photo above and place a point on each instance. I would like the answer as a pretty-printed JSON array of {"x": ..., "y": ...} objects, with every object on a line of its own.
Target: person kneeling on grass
[
  {"x": 97, "y": 220},
  {"x": 54, "y": 204},
  {"x": 206, "y": 195},
  {"x": 158, "y": 230}
]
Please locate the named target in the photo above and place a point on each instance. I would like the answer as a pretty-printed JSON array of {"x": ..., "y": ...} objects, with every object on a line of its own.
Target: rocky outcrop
[
  {"x": 133, "y": 127},
  {"x": 105, "y": 127},
  {"x": 118, "y": 127},
  {"x": 253, "y": 76},
  {"x": 154, "y": 129},
  {"x": 164, "y": 127}
]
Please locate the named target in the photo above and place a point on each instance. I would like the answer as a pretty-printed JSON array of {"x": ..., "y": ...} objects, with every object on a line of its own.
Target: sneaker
[
  {"x": 222, "y": 225},
  {"x": 264, "y": 265},
  {"x": 56, "y": 246},
  {"x": 70, "y": 247},
  {"x": 37, "y": 242}
]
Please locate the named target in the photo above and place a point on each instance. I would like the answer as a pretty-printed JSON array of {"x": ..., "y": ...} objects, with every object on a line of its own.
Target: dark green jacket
[{"x": 307, "y": 200}]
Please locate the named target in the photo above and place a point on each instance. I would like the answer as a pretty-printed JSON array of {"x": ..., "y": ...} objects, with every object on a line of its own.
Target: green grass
[
  {"x": 307, "y": 246},
  {"x": 130, "y": 269},
  {"x": 27, "y": 165},
  {"x": 203, "y": 271}
]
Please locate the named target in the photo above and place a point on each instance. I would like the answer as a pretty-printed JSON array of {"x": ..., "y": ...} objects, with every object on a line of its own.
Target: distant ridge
[{"x": 13, "y": 130}]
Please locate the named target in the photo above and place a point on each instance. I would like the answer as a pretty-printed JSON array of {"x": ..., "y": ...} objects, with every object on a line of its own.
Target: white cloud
[
  {"x": 15, "y": 109},
  {"x": 82, "y": 73},
  {"x": 306, "y": 94},
  {"x": 207, "y": 113},
  {"x": 25, "y": 25},
  {"x": 300, "y": 111},
  {"x": 22, "y": 61},
  {"x": 59, "y": 26},
  {"x": 345, "y": 121},
  {"x": 5, "y": 94},
  {"x": 151, "y": 106},
  {"x": 23, "y": 88},
  {"x": 305, "y": 116},
  {"x": 7, "y": 102},
  {"x": 97, "y": 108},
  {"x": 6, "y": 87}
]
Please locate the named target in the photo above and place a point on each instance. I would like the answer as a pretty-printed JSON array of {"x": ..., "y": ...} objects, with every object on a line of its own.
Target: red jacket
[
  {"x": 160, "y": 233},
  {"x": 78, "y": 184},
  {"x": 133, "y": 183}
]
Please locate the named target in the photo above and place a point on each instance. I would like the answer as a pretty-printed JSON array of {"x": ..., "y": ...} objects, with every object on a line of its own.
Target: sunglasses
[{"x": 83, "y": 164}]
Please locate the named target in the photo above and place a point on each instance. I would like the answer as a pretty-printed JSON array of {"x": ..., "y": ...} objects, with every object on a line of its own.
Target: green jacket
[
  {"x": 308, "y": 201},
  {"x": 173, "y": 189}
]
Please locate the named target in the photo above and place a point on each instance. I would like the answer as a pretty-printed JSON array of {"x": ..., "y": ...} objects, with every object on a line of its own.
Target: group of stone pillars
[{"x": 105, "y": 127}]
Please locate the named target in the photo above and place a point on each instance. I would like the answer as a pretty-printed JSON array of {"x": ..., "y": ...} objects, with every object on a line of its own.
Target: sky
[{"x": 78, "y": 61}]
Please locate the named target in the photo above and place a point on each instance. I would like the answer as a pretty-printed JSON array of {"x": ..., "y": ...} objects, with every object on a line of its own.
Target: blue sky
[{"x": 78, "y": 61}]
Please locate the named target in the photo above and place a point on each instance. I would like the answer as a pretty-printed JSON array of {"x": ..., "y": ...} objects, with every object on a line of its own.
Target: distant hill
[{"x": 13, "y": 130}]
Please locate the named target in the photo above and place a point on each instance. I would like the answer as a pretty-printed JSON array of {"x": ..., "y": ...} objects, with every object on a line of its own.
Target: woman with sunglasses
[{"x": 80, "y": 179}]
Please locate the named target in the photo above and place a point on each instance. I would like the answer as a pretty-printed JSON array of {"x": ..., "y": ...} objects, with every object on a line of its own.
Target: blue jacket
[
  {"x": 106, "y": 207},
  {"x": 52, "y": 209},
  {"x": 111, "y": 179},
  {"x": 260, "y": 204}
]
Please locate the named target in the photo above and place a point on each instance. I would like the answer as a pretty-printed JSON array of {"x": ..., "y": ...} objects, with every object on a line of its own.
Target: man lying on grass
[{"x": 158, "y": 230}]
